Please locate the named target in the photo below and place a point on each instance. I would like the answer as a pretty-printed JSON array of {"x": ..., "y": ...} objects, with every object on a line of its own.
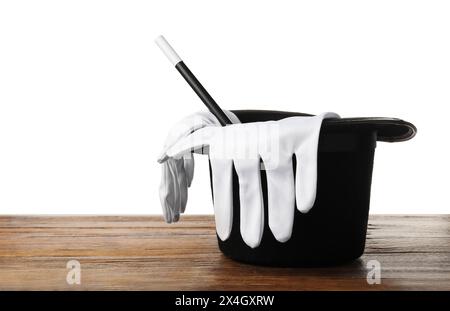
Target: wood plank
[{"x": 144, "y": 253}]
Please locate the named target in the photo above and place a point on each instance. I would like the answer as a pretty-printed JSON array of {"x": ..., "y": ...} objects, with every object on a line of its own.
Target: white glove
[
  {"x": 177, "y": 173},
  {"x": 244, "y": 145}
]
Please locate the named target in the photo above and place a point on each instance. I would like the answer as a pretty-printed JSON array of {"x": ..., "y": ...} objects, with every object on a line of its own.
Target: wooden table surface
[{"x": 144, "y": 253}]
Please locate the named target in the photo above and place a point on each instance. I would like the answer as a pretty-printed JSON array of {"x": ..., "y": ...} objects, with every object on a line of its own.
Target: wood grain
[{"x": 144, "y": 253}]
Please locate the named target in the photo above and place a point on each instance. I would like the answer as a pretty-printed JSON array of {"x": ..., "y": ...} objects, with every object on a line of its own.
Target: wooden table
[{"x": 144, "y": 253}]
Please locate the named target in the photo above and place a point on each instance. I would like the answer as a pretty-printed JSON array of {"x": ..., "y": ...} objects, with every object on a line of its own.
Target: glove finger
[
  {"x": 222, "y": 180},
  {"x": 189, "y": 168},
  {"x": 175, "y": 175},
  {"x": 166, "y": 195},
  {"x": 281, "y": 199},
  {"x": 306, "y": 171},
  {"x": 251, "y": 200},
  {"x": 306, "y": 179},
  {"x": 180, "y": 178}
]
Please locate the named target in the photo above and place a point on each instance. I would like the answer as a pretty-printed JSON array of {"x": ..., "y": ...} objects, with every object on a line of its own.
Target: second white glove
[{"x": 177, "y": 173}]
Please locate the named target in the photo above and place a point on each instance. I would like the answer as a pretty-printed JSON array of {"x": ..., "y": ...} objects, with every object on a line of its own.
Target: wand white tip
[{"x": 168, "y": 50}]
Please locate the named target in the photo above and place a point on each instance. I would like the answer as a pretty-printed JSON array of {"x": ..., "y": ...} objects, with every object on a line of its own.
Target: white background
[{"x": 86, "y": 97}]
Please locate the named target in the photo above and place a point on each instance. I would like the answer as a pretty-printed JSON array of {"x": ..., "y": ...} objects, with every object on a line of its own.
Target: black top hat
[{"x": 334, "y": 230}]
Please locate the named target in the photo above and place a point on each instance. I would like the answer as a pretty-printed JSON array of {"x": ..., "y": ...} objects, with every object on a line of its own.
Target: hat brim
[{"x": 387, "y": 129}]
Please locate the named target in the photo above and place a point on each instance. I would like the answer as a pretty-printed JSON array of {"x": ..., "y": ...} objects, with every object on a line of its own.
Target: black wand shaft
[{"x": 202, "y": 93}]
